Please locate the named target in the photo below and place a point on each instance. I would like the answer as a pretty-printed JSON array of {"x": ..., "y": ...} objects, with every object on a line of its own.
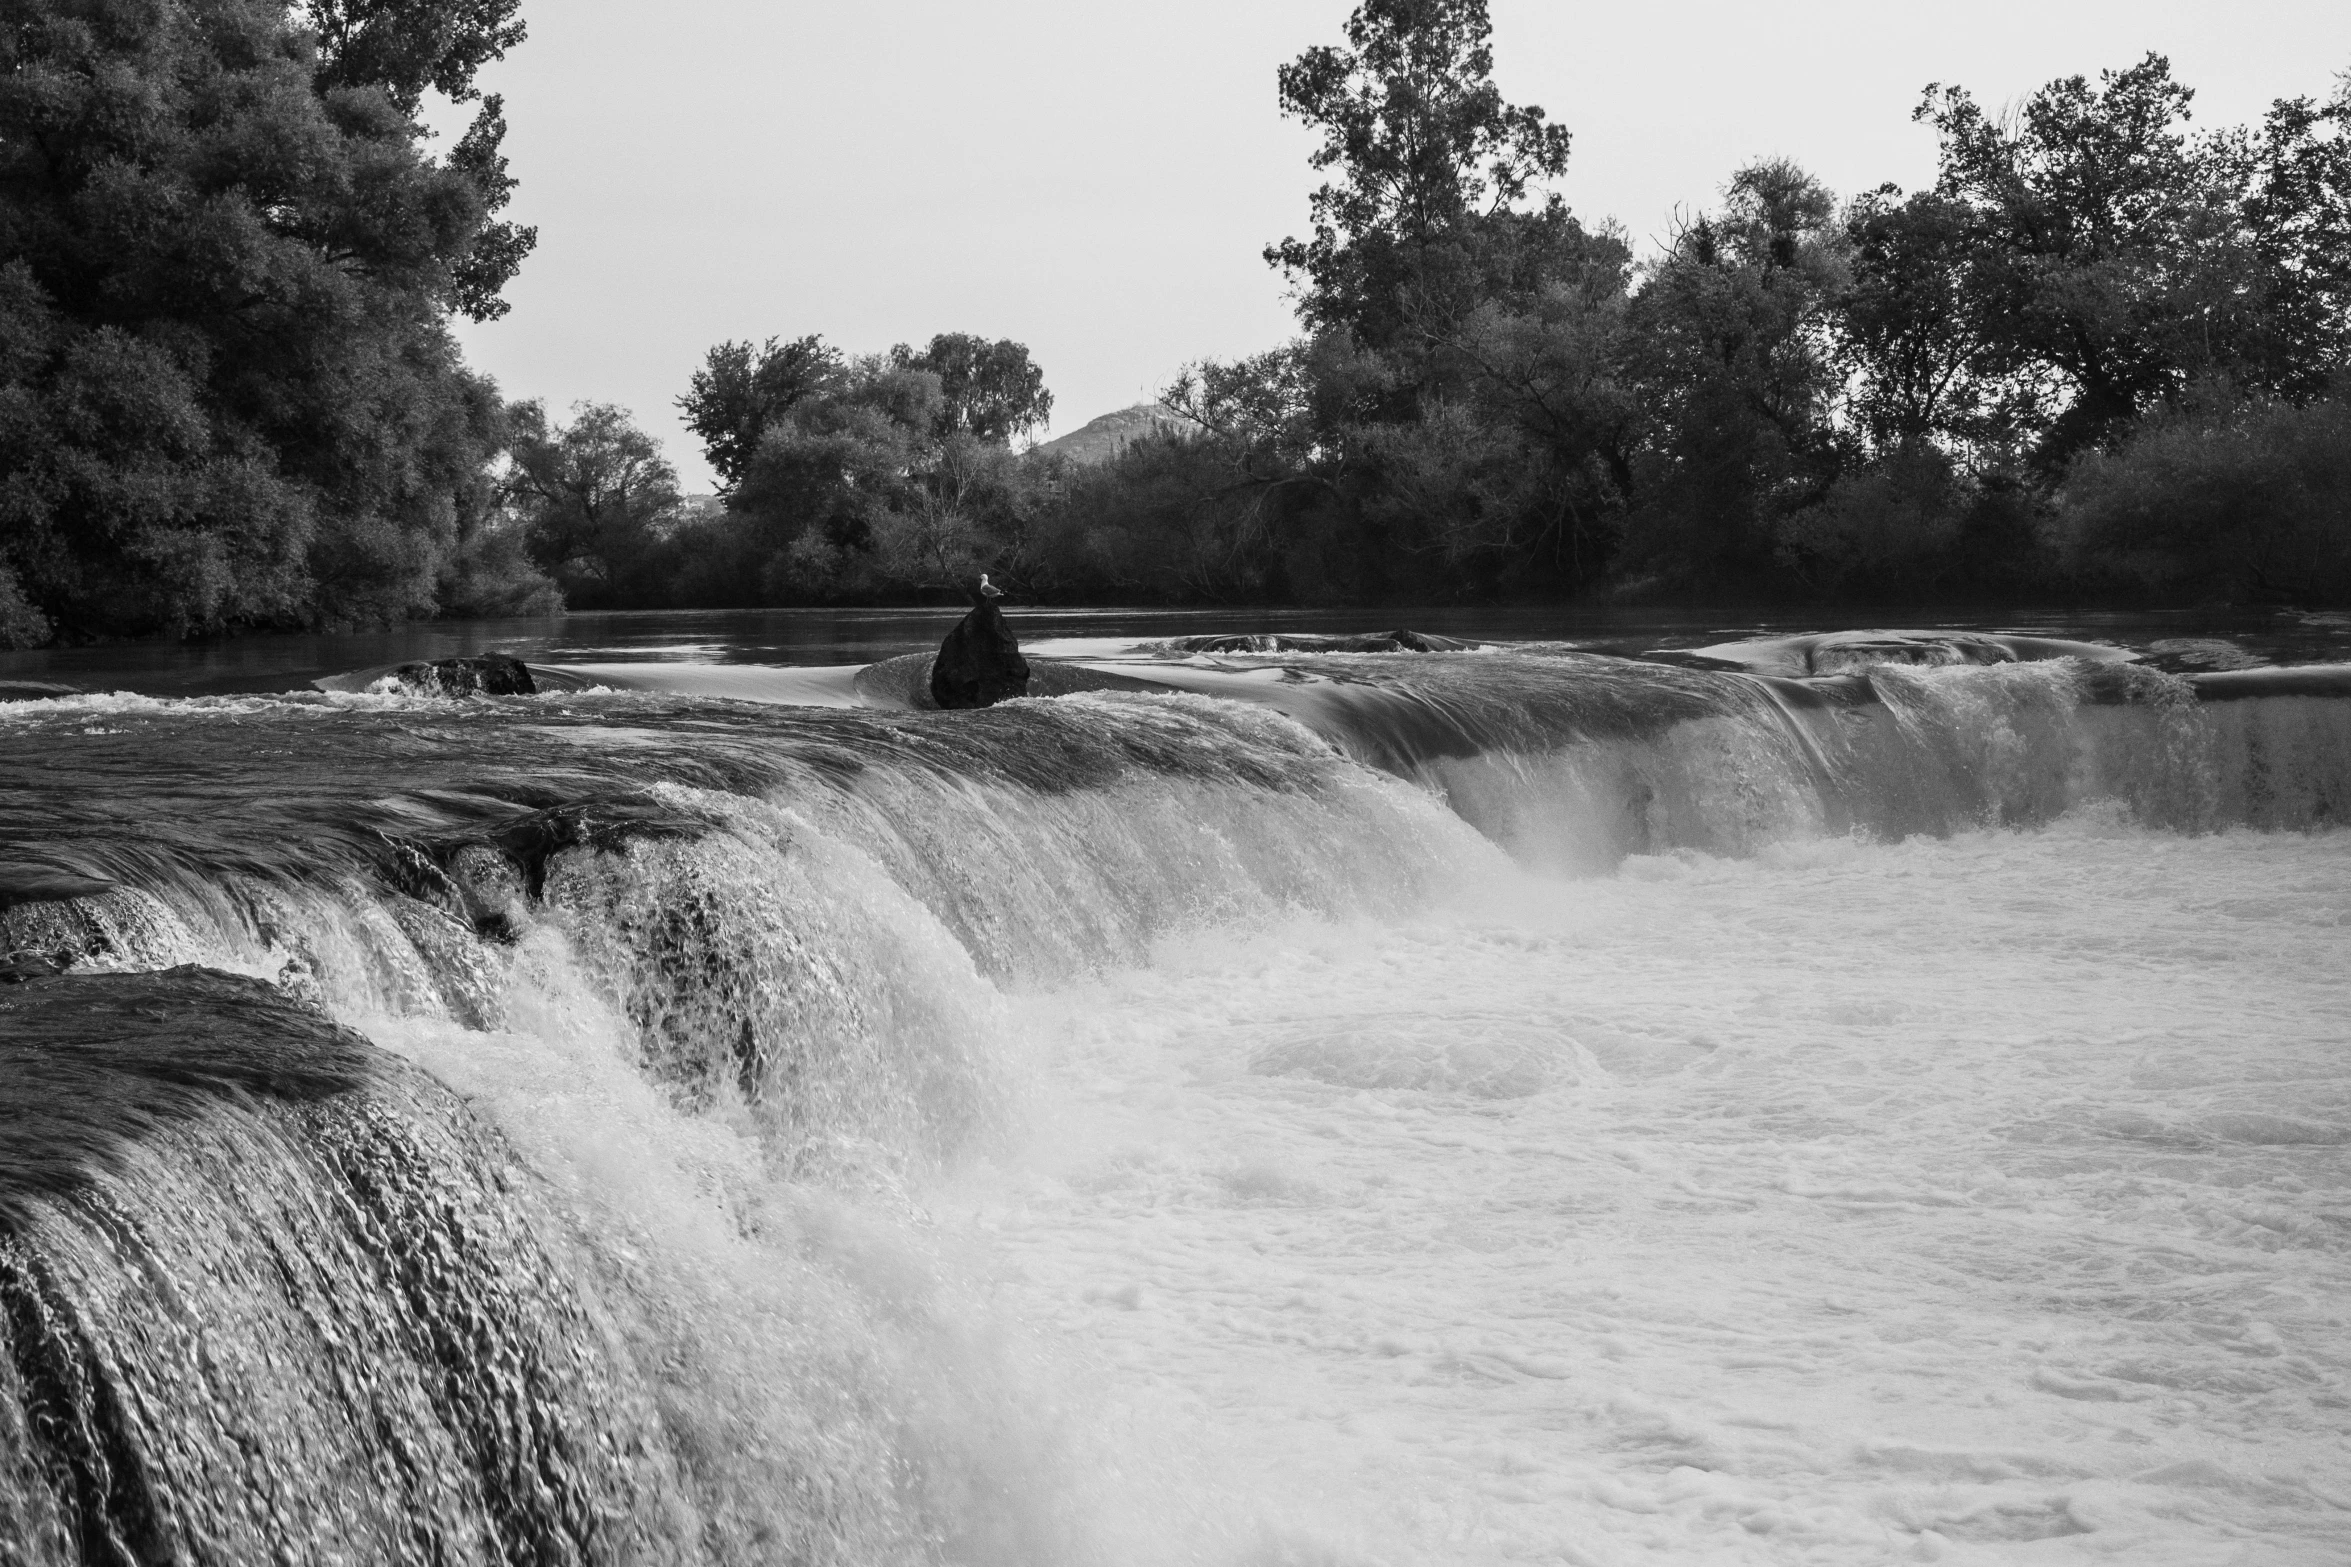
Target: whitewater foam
[{"x": 1849, "y": 1203}]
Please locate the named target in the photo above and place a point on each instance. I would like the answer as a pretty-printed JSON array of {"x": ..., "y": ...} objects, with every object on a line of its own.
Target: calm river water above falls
[{"x": 1762, "y": 1104}]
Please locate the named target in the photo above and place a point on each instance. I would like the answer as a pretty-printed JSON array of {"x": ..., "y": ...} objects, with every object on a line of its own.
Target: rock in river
[{"x": 979, "y": 664}]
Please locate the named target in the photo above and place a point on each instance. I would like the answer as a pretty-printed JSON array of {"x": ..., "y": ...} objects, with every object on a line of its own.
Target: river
[{"x": 1790, "y": 1099}]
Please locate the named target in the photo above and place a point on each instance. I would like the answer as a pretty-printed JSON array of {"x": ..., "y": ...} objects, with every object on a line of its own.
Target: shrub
[
  {"x": 2240, "y": 503},
  {"x": 1912, "y": 528}
]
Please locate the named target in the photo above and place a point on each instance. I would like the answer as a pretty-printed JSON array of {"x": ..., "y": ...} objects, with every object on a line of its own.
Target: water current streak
[{"x": 267, "y": 1288}]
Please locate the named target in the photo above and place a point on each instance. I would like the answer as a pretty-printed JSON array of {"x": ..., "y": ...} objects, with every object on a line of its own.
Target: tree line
[
  {"x": 847, "y": 479},
  {"x": 2104, "y": 357}
]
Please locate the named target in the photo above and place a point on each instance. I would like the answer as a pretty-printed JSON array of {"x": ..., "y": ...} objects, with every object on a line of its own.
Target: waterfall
[
  {"x": 708, "y": 975},
  {"x": 264, "y": 1290},
  {"x": 1572, "y": 762},
  {"x": 497, "y": 1130}
]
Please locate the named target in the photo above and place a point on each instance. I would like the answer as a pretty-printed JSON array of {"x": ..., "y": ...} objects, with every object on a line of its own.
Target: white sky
[{"x": 1096, "y": 178}]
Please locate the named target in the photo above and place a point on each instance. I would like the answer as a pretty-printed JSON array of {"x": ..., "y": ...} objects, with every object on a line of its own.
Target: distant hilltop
[{"x": 1101, "y": 439}]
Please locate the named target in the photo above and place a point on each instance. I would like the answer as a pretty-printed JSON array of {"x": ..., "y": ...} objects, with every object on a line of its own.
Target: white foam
[
  {"x": 1849, "y": 1203},
  {"x": 838, "y": 1384},
  {"x": 815, "y": 686}
]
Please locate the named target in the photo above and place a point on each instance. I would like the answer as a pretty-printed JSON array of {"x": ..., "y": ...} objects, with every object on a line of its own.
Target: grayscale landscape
[{"x": 1275, "y": 786}]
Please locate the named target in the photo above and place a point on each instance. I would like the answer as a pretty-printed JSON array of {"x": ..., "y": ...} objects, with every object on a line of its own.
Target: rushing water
[{"x": 1789, "y": 1099}]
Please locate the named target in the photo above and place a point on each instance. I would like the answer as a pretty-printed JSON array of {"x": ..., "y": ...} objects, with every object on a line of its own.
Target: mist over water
[{"x": 1333, "y": 1107}]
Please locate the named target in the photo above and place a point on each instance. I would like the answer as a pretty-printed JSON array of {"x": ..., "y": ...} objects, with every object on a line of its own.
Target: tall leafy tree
[
  {"x": 2125, "y": 258},
  {"x": 1732, "y": 358},
  {"x": 1432, "y": 167},
  {"x": 1549, "y": 376},
  {"x": 2296, "y": 214},
  {"x": 403, "y": 48},
  {"x": 968, "y": 510},
  {"x": 818, "y": 492},
  {"x": 2090, "y": 198},
  {"x": 594, "y": 495},
  {"x": 989, "y": 391},
  {"x": 741, "y": 390},
  {"x": 1908, "y": 328},
  {"x": 1429, "y": 436},
  {"x": 228, "y": 395}
]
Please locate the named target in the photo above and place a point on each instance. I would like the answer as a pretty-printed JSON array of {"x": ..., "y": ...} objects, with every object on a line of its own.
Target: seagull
[{"x": 989, "y": 589}]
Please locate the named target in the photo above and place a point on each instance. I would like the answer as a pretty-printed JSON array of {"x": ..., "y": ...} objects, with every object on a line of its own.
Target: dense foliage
[
  {"x": 847, "y": 479},
  {"x": 228, "y": 396},
  {"x": 2104, "y": 357},
  {"x": 1983, "y": 389}
]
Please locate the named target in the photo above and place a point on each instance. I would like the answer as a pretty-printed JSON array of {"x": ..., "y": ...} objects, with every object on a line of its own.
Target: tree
[
  {"x": 741, "y": 390},
  {"x": 1430, "y": 435},
  {"x": 2297, "y": 215},
  {"x": 989, "y": 391},
  {"x": 1432, "y": 161},
  {"x": 830, "y": 472},
  {"x": 846, "y": 478},
  {"x": 970, "y": 509},
  {"x": 594, "y": 496},
  {"x": 403, "y": 47},
  {"x": 1908, "y": 328},
  {"x": 1169, "y": 518},
  {"x": 1488, "y": 457},
  {"x": 1264, "y": 409},
  {"x": 228, "y": 395},
  {"x": 1731, "y": 353},
  {"x": 1551, "y": 372},
  {"x": 2123, "y": 259}
]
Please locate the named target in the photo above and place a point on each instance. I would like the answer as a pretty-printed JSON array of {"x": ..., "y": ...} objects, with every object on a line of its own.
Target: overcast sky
[{"x": 1096, "y": 178}]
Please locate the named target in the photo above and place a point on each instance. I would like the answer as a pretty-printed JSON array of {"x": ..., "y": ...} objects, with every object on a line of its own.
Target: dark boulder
[
  {"x": 491, "y": 674},
  {"x": 979, "y": 664}
]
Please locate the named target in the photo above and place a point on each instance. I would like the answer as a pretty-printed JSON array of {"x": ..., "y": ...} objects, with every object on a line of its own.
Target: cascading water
[
  {"x": 270, "y": 1294},
  {"x": 532, "y": 1129},
  {"x": 1572, "y": 761},
  {"x": 783, "y": 932}
]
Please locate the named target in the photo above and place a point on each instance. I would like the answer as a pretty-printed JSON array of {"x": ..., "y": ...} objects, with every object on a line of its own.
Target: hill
[{"x": 1101, "y": 439}]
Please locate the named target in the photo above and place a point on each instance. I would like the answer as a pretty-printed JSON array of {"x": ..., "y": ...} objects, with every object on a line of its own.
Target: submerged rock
[
  {"x": 494, "y": 890},
  {"x": 979, "y": 664},
  {"x": 19, "y": 967},
  {"x": 22, "y": 882},
  {"x": 491, "y": 674},
  {"x": 2197, "y": 655},
  {"x": 1397, "y": 641},
  {"x": 1843, "y": 652},
  {"x": 54, "y": 934}
]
